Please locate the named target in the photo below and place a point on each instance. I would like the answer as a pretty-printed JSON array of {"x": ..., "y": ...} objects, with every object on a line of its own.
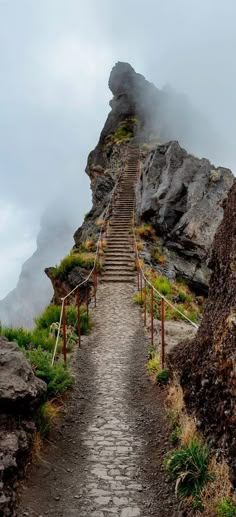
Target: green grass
[
  {"x": 163, "y": 376},
  {"x": 153, "y": 364},
  {"x": 226, "y": 509},
  {"x": 188, "y": 466},
  {"x": 138, "y": 299},
  {"x": 175, "y": 435},
  {"x": 125, "y": 130},
  {"x": 83, "y": 260},
  {"x": 163, "y": 285},
  {"x": 45, "y": 417},
  {"x": 52, "y": 315},
  {"x": 57, "y": 377},
  {"x": 27, "y": 339}
]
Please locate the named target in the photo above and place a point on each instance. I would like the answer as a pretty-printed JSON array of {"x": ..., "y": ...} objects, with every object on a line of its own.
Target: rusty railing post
[
  {"x": 152, "y": 316},
  {"x": 79, "y": 318},
  {"x": 138, "y": 275},
  {"x": 162, "y": 333},
  {"x": 87, "y": 301},
  {"x": 95, "y": 287},
  {"x": 141, "y": 285},
  {"x": 145, "y": 302},
  {"x": 64, "y": 330}
]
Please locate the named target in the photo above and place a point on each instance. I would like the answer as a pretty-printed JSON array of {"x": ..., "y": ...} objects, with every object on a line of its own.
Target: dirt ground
[{"x": 105, "y": 454}]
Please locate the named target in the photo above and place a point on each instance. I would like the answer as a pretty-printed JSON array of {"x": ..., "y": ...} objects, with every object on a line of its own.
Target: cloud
[
  {"x": 55, "y": 59},
  {"x": 14, "y": 223}
]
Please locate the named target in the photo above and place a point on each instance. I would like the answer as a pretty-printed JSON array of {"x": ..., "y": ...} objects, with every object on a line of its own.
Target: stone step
[{"x": 112, "y": 280}]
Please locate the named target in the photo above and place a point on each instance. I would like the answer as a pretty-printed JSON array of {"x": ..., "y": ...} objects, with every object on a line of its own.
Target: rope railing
[
  {"x": 93, "y": 272},
  {"x": 143, "y": 282}
]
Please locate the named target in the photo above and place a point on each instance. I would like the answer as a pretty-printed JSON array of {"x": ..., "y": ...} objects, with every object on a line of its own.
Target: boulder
[
  {"x": 20, "y": 394},
  {"x": 18, "y": 384}
]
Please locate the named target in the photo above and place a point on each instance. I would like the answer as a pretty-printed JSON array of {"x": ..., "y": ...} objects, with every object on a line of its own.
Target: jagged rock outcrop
[
  {"x": 207, "y": 365},
  {"x": 180, "y": 194},
  {"x": 162, "y": 115},
  {"x": 20, "y": 394},
  {"x": 182, "y": 197}
]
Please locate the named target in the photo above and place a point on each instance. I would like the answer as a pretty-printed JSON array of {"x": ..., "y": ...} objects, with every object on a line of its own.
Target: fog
[{"x": 55, "y": 60}]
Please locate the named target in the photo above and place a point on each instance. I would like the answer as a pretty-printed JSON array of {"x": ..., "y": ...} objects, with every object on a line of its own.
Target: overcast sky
[{"x": 55, "y": 60}]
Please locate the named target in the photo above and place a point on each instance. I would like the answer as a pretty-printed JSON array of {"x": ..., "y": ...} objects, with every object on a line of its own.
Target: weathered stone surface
[
  {"x": 207, "y": 365},
  {"x": 18, "y": 383},
  {"x": 20, "y": 394},
  {"x": 182, "y": 197}
]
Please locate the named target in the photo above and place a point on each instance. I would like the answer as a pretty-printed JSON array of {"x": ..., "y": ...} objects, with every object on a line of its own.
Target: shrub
[
  {"x": 163, "y": 285},
  {"x": 157, "y": 256},
  {"x": 188, "y": 466},
  {"x": 27, "y": 339},
  {"x": 146, "y": 231},
  {"x": 153, "y": 364},
  {"x": 50, "y": 315},
  {"x": 83, "y": 260},
  {"x": 57, "y": 376},
  {"x": 163, "y": 376},
  {"x": 184, "y": 297},
  {"x": 137, "y": 299},
  {"x": 125, "y": 130},
  {"x": 226, "y": 508},
  {"x": 175, "y": 435}
]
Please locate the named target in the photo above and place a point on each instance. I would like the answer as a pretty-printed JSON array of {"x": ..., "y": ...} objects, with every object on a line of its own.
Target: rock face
[
  {"x": 20, "y": 395},
  {"x": 182, "y": 197},
  {"x": 162, "y": 114},
  {"x": 207, "y": 365}
]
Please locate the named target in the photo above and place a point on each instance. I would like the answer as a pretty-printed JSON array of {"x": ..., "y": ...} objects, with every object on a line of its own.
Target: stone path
[{"x": 107, "y": 452}]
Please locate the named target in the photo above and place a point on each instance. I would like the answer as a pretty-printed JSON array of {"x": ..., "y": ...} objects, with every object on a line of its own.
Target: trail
[
  {"x": 106, "y": 454},
  {"x": 107, "y": 451}
]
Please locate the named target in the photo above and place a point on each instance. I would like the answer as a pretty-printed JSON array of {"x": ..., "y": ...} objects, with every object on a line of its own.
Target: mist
[{"x": 55, "y": 60}]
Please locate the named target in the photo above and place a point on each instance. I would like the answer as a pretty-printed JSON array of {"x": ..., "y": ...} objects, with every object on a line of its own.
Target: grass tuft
[
  {"x": 83, "y": 260},
  {"x": 57, "y": 377},
  {"x": 188, "y": 466}
]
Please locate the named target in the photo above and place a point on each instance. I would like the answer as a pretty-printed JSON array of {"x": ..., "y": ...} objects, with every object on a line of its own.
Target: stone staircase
[{"x": 119, "y": 263}]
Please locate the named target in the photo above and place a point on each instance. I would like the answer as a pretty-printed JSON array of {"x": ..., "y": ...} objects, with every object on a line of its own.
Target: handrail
[
  {"x": 161, "y": 296},
  {"x": 105, "y": 217}
]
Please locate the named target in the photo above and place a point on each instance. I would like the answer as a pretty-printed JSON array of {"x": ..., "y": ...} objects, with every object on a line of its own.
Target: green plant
[
  {"x": 57, "y": 376},
  {"x": 153, "y": 364},
  {"x": 188, "y": 466},
  {"x": 83, "y": 260},
  {"x": 163, "y": 285},
  {"x": 151, "y": 352},
  {"x": 37, "y": 338},
  {"x": 175, "y": 435},
  {"x": 146, "y": 231},
  {"x": 184, "y": 297},
  {"x": 125, "y": 130},
  {"x": 47, "y": 413},
  {"x": 163, "y": 376},
  {"x": 226, "y": 508},
  {"x": 138, "y": 299}
]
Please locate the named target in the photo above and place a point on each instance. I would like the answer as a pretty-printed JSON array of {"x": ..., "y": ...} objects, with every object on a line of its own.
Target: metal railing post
[
  {"x": 162, "y": 333},
  {"x": 79, "y": 318},
  {"x": 95, "y": 287},
  {"x": 64, "y": 332},
  {"x": 145, "y": 302},
  {"x": 141, "y": 286},
  {"x": 152, "y": 316},
  {"x": 87, "y": 301}
]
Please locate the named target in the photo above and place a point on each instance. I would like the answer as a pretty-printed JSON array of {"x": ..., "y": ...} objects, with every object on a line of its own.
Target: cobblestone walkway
[{"x": 96, "y": 465}]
